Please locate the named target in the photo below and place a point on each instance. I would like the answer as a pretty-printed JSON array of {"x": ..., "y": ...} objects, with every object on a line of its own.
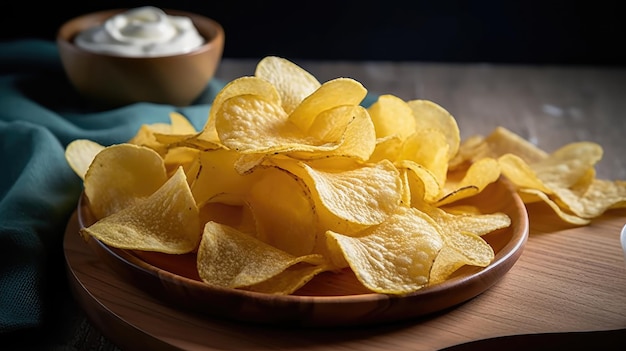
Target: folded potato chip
[
  {"x": 167, "y": 221},
  {"x": 394, "y": 257}
]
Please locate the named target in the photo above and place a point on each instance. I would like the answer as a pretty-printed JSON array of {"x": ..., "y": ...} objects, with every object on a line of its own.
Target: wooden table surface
[{"x": 568, "y": 279}]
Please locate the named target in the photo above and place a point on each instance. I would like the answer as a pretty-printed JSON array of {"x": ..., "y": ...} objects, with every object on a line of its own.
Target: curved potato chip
[
  {"x": 567, "y": 165},
  {"x": 80, "y": 153},
  {"x": 429, "y": 148},
  {"x": 232, "y": 259},
  {"x": 336, "y": 92},
  {"x": 424, "y": 186},
  {"x": 284, "y": 212},
  {"x": 120, "y": 175},
  {"x": 251, "y": 124},
  {"x": 289, "y": 280},
  {"x": 460, "y": 249},
  {"x": 365, "y": 195},
  {"x": 430, "y": 115},
  {"x": 392, "y": 116},
  {"x": 467, "y": 153},
  {"x": 566, "y": 216},
  {"x": 594, "y": 199},
  {"x": 292, "y": 82},
  {"x": 454, "y": 220},
  {"x": 239, "y": 86},
  {"x": 394, "y": 257},
  {"x": 503, "y": 141},
  {"x": 357, "y": 140},
  {"x": 167, "y": 221},
  {"x": 480, "y": 174},
  {"x": 218, "y": 176},
  {"x": 159, "y": 136},
  {"x": 515, "y": 169},
  {"x": 386, "y": 148}
]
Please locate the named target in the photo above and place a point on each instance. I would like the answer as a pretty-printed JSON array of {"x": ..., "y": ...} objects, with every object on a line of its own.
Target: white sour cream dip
[{"x": 142, "y": 32}]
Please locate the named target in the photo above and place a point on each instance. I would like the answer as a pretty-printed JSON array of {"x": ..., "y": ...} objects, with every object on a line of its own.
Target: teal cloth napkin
[{"x": 40, "y": 114}]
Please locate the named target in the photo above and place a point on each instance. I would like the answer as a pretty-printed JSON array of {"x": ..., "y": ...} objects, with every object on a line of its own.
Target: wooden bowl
[
  {"x": 330, "y": 299},
  {"x": 113, "y": 80}
]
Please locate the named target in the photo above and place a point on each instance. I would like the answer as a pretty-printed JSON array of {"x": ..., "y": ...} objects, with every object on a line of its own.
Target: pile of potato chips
[{"x": 290, "y": 178}]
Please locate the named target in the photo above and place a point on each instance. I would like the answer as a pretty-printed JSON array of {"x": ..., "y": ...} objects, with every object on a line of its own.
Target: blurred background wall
[{"x": 515, "y": 31}]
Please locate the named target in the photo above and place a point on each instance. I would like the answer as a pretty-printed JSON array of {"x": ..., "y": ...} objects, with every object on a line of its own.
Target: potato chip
[
  {"x": 292, "y": 82},
  {"x": 356, "y": 141},
  {"x": 565, "y": 180},
  {"x": 289, "y": 280},
  {"x": 166, "y": 221},
  {"x": 232, "y": 259},
  {"x": 594, "y": 199},
  {"x": 159, "y": 136},
  {"x": 337, "y": 92},
  {"x": 460, "y": 249},
  {"x": 80, "y": 153},
  {"x": 394, "y": 257},
  {"x": 428, "y": 148},
  {"x": 431, "y": 116},
  {"x": 456, "y": 220},
  {"x": 240, "y": 86},
  {"x": 294, "y": 230},
  {"x": 217, "y": 175},
  {"x": 392, "y": 117},
  {"x": 566, "y": 166},
  {"x": 387, "y": 148},
  {"x": 520, "y": 173},
  {"x": 365, "y": 195},
  {"x": 563, "y": 214},
  {"x": 250, "y": 124},
  {"x": 424, "y": 186},
  {"x": 120, "y": 175},
  {"x": 479, "y": 175}
]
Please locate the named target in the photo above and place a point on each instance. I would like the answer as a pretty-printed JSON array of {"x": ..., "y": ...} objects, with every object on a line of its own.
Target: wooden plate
[{"x": 330, "y": 299}]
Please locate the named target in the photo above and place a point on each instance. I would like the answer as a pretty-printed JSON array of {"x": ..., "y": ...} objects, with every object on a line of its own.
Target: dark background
[{"x": 516, "y": 31}]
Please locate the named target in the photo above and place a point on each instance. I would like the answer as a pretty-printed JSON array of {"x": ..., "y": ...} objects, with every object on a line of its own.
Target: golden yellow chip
[
  {"x": 473, "y": 181},
  {"x": 80, "y": 153},
  {"x": 392, "y": 117},
  {"x": 460, "y": 249},
  {"x": 394, "y": 257},
  {"x": 430, "y": 115},
  {"x": 159, "y": 136},
  {"x": 337, "y": 92},
  {"x": 292, "y": 82},
  {"x": 216, "y": 175},
  {"x": 232, "y": 259},
  {"x": 251, "y": 124},
  {"x": 567, "y": 165},
  {"x": 289, "y": 280},
  {"x": 166, "y": 221},
  {"x": 120, "y": 175},
  {"x": 428, "y": 148},
  {"x": 365, "y": 195},
  {"x": 565, "y": 180},
  {"x": 592, "y": 200},
  {"x": 424, "y": 186},
  {"x": 356, "y": 141},
  {"x": 240, "y": 86},
  {"x": 279, "y": 192},
  {"x": 520, "y": 173}
]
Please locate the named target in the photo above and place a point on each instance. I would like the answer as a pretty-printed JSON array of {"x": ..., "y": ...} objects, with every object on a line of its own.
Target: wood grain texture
[{"x": 568, "y": 278}]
